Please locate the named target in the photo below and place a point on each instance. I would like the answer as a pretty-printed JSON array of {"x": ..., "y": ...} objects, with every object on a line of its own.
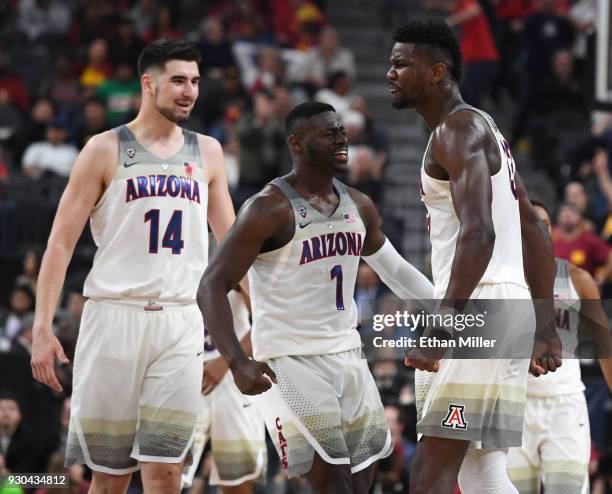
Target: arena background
[{"x": 542, "y": 68}]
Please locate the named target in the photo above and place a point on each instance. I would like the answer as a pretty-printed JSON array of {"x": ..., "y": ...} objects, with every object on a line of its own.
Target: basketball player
[
  {"x": 302, "y": 236},
  {"x": 556, "y": 437},
  {"x": 148, "y": 188},
  {"x": 232, "y": 421},
  {"x": 478, "y": 213}
]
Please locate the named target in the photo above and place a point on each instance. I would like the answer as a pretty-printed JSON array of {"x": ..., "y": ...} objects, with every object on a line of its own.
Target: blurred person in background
[
  {"x": 13, "y": 84},
  {"x": 337, "y": 93},
  {"x": 92, "y": 121},
  {"x": 576, "y": 195},
  {"x": 393, "y": 472},
  {"x": 18, "y": 442},
  {"x": 127, "y": 45},
  {"x": 327, "y": 58},
  {"x": 480, "y": 55},
  {"x": 573, "y": 241},
  {"x": 64, "y": 88},
  {"x": 53, "y": 156},
  {"x": 261, "y": 138},
  {"x": 164, "y": 26},
  {"x": 364, "y": 172},
  {"x": 34, "y": 127},
  {"x": 119, "y": 92},
  {"x": 21, "y": 301},
  {"x": 97, "y": 68},
  {"x": 216, "y": 49},
  {"x": 30, "y": 268}
]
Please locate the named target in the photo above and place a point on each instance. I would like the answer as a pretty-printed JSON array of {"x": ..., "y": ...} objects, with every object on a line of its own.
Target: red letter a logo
[{"x": 455, "y": 418}]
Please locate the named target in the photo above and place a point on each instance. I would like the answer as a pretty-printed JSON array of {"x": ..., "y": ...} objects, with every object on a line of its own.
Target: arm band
[{"x": 399, "y": 275}]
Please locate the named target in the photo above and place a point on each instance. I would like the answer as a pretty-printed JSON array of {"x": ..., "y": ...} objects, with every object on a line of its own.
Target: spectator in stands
[
  {"x": 40, "y": 406},
  {"x": 215, "y": 48},
  {"x": 573, "y": 241},
  {"x": 127, "y": 45},
  {"x": 163, "y": 26},
  {"x": 34, "y": 127},
  {"x": 270, "y": 70},
  {"x": 263, "y": 152},
  {"x": 369, "y": 133},
  {"x": 326, "y": 58},
  {"x": 10, "y": 117},
  {"x": 13, "y": 84},
  {"x": 64, "y": 88},
  {"x": 546, "y": 32},
  {"x": 338, "y": 93},
  {"x": 30, "y": 268},
  {"x": 52, "y": 157},
  {"x": 480, "y": 55},
  {"x": 143, "y": 16},
  {"x": 394, "y": 471},
  {"x": 97, "y": 69},
  {"x": 36, "y": 19},
  {"x": 18, "y": 443},
  {"x": 364, "y": 172},
  {"x": 245, "y": 21},
  {"x": 21, "y": 302},
  {"x": 508, "y": 31},
  {"x": 297, "y": 23},
  {"x": 119, "y": 93},
  {"x": 92, "y": 121}
]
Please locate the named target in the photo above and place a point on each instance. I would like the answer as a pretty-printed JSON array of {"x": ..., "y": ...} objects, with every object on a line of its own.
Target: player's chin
[{"x": 340, "y": 166}]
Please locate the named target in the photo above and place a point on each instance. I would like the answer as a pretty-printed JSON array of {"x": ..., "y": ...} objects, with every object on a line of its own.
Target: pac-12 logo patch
[
  {"x": 455, "y": 419},
  {"x": 302, "y": 210},
  {"x": 131, "y": 152}
]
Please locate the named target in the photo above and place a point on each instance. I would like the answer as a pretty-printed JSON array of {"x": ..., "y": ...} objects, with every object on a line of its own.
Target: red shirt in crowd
[
  {"x": 513, "y": 9},
  {"x": 477, "y": 43},
  {"x": 587, "y": 251}
]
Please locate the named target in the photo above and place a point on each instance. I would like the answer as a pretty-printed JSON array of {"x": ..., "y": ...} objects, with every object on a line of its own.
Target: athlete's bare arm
[
  {"x": 593, "y": 318},
  {"x": 220, "y": 208},
  {"x": 263, "y": 223},
  {"x": 461, "y": 146},
  {"x": 92, "y": 172},
  {"x": 540, "y": 272}
]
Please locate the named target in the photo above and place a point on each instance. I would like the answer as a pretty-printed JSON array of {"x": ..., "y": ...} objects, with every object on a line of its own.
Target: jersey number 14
[{"x": 172, "y": 237}]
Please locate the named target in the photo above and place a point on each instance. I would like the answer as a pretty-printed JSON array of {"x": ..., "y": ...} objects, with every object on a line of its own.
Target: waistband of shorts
[{"x": 145, "y": 305}]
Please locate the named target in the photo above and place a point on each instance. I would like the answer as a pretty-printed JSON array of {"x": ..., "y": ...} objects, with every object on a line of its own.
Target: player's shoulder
[
  {"x": 466, "y": 126},
  {"x": 103, "y": 143},
  {"x": 208, "y": 144},
  {"x": 269, "y": 204},
  {"x": 583, "y": 282}
]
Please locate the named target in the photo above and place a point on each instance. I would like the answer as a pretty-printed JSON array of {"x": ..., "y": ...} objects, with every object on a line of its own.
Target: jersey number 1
[
  {"x": 336, "y": 272},
  {"x": 172, "y": 238}
]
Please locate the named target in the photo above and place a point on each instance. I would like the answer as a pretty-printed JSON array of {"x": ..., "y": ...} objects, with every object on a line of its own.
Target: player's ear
[
  {"x": 438, "y": 72},
  {"x": 148, "y": 83},
  {"x": 294, "y": 141}
]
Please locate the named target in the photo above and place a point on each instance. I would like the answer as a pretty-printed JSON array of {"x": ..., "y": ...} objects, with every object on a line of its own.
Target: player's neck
[
  {"x": 152, "y": 125},
  {"x": 440, "y": 105},
  {"x": 311, "y": 183}
]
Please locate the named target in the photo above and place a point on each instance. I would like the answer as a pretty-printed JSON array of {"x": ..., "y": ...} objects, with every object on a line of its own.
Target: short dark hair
[
  {"x": 434, "y": 34},
  {"x": 9, "y": 395},
  {"x": 540, "y": 204},
  {"x": 156, "y": 54},
  {"x": 303, "y": 112}
]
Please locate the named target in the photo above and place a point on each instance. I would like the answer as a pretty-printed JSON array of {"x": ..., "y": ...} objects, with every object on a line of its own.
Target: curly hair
[{"x": 435, "y": 35}]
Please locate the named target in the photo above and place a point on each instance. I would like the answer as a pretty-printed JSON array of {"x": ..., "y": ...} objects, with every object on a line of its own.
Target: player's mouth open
[
  {"x": 393, "y": 89},
  {"x": 341, "y": 154}
]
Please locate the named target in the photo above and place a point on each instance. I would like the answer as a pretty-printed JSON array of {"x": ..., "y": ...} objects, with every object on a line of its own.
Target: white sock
[{"x": 484, "y": 471}]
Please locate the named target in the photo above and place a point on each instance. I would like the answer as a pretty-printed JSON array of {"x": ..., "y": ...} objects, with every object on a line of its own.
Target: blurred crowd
[{"x": 67, "y": 72}]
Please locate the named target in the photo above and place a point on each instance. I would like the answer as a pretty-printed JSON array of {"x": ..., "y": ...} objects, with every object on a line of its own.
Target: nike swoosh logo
[
  {"x": 130, "y": 164},
  {"x": 199, "y": 353},
  {"x": 304, "y": 225},
  {"x": 246, "y": 405}
]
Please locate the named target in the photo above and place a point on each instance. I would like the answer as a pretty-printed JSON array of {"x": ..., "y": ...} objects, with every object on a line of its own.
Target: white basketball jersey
[
  {"x": 150, "y": 226},
  {"x": 506, "y": 264},
  {"x": 302, "y": 293},
  {"x": 567, "y": 378}
]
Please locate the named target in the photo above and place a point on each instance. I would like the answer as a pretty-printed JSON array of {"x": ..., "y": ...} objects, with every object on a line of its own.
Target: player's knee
[
  {"x": 105, "y": 483},
  {"x": 161, "y": 478}
]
